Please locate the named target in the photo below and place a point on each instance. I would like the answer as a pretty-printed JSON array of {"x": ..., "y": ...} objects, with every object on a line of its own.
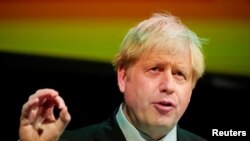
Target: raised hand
[{"x": 38, "y": 121}]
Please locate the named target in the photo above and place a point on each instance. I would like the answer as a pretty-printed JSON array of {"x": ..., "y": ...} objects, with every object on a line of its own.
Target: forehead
[{"x": 173, "y": 50}]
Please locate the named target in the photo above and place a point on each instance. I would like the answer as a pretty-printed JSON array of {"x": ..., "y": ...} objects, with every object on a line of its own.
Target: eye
[
  {"x": 154, "y": 70},
  {"x": 179, "y": 74}
]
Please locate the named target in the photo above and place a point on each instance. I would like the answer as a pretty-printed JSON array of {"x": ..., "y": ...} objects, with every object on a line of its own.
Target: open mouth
[
  {"x": 164, "y": 106},
  {"x": 164, "y": 103}
]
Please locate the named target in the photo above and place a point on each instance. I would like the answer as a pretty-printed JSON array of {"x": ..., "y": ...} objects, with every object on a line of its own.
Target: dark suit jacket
[{"x": 109, "y": 130}]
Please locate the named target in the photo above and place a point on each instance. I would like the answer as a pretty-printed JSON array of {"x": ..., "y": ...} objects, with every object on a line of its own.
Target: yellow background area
[{"x": 93, "y": 30}]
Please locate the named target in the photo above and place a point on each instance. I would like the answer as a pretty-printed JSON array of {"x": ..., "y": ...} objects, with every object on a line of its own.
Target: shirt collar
[{"x": 131, "y": 133}]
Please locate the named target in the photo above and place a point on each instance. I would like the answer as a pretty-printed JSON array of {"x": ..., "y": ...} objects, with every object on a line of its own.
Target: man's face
[{"x": 157, "y": 88}]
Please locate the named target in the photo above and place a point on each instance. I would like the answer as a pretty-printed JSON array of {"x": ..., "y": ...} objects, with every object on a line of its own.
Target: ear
[{"x": 121, "y": 76}]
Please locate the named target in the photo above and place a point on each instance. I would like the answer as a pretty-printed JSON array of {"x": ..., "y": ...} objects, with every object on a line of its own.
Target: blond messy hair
[{"x": 156, "y": 32}]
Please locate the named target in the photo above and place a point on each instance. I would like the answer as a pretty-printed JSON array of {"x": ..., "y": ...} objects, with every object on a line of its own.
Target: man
[{"x": 158, "y": 65}]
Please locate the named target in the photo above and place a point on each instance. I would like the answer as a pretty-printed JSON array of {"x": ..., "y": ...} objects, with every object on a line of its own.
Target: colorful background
[
  {"x": 93, "y": 29},
  {"x": 68, "y": 45}
]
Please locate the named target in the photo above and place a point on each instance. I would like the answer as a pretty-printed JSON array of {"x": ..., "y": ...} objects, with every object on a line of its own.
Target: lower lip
[{"x": 163, "y": 109}]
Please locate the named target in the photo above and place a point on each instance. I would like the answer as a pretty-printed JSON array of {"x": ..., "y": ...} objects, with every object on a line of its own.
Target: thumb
[{"x": 63, "y": 120}]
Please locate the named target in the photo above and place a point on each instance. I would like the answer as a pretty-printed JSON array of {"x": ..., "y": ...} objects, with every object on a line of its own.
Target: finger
[
  {"x": 29, "y": 112},
  {"x": 41, "y": 93},
  {"x": 37, "y": 106},
  {"x": 49, "y": 107},
  {"x": 29, "y": 107},
  {"x": 63, "y": 120},
  {"x": 50, "y": 115},
  {"x": 60, "y": 102}
]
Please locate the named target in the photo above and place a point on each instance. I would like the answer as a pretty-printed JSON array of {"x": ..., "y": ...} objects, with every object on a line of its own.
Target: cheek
[
  {"x": 184, "y": 98},
  {"x": 138, "y": 90}
]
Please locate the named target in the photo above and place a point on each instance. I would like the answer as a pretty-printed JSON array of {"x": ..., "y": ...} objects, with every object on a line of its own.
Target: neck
[{"x": 148, "y": 131}]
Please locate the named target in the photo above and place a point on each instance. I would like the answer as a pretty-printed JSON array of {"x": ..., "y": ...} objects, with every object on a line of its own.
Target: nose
[{"x": 167, "y": 84}]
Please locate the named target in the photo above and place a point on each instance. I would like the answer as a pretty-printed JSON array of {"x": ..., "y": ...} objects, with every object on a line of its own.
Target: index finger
[{"x": 46, "y": 92}]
